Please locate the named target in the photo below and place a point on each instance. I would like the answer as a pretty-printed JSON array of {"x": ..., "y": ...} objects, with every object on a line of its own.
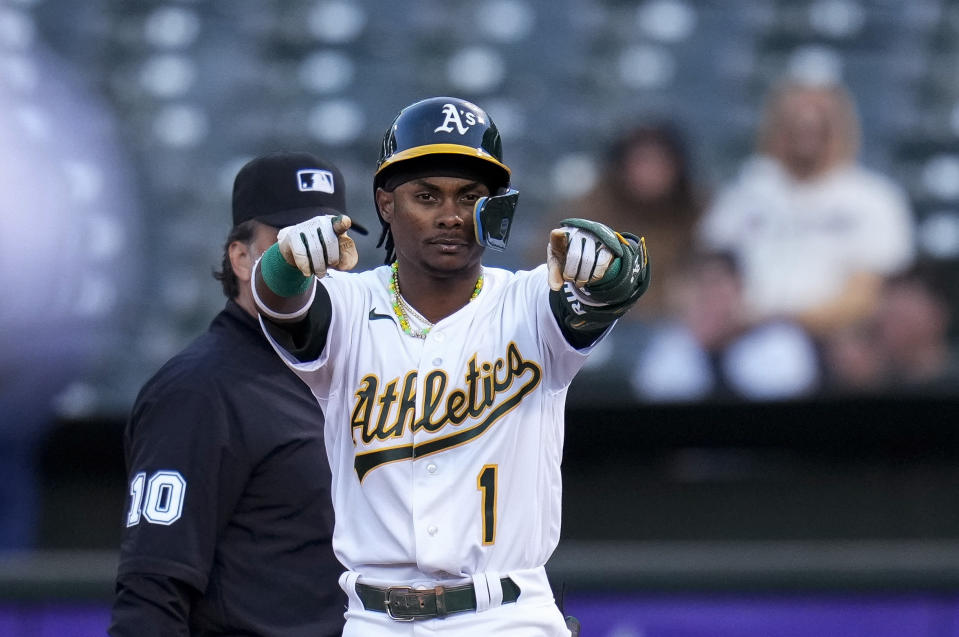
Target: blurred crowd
[{"x": 798, "y": 277}]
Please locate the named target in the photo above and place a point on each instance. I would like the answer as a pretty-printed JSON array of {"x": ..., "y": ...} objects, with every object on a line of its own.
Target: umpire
[{"x": 229, "y": 521}]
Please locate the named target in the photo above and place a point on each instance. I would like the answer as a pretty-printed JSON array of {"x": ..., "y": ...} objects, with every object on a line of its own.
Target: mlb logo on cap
[
  {"x": 284, "y": 188},
  {"x": 315, "y": 180}
]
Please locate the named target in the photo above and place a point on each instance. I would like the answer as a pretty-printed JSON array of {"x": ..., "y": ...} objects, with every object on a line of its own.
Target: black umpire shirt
[{"x": 229, "y": 520}]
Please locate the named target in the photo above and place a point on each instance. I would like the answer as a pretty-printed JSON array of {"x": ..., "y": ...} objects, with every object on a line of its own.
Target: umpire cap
[{"x": 284, "y": 188}]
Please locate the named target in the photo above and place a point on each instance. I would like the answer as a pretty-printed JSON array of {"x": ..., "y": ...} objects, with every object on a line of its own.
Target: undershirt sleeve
[
  {"x": 148, "y": 605},
  {"x": 305, "y": 339}
]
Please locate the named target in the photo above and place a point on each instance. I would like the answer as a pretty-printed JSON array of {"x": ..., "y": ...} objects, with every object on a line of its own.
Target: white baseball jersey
[{"x": 445, "y": 450}]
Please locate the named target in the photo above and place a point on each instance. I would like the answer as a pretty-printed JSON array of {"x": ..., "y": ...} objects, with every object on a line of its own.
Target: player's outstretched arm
[
  {"x": 595, "y": 275},
  {"x": 284, "y": 278}
]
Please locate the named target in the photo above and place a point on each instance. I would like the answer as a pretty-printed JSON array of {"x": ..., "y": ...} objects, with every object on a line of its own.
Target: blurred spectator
[
  {"x": 913, "y": 323},
  {"x": 647, "y": 188},
  {"x": 852, "y": 358},
  {"x": 713, "y": 351},
  {"x": 815, "y": 231},
  {"x": 905, "y": 345}
]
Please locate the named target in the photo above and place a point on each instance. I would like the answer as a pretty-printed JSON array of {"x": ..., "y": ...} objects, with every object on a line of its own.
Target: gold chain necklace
[
  {"x": 413, "y": 314},
  {"x": 403, "y": 309}
]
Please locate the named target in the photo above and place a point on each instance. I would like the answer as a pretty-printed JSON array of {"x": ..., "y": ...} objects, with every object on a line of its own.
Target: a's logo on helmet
[{"x": 453, "y": 117}]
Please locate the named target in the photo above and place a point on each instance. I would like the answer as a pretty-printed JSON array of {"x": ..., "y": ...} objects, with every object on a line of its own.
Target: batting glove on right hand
[
  {"x": 580, "y": 252},
  {"x": 317, "y": 244},
  {"x": 605, "y": 267}
]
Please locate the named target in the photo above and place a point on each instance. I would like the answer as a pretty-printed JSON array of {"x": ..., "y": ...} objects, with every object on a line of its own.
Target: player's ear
[
  {"x": 384, "y": 202},
  {"x": 241, "y": 260}
]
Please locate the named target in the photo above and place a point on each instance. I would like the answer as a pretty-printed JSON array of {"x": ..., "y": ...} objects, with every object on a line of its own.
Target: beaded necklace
[{"x": 404, "y": 311}]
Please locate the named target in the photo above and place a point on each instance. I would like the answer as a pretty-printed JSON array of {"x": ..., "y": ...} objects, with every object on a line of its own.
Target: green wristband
[{"x": 281, "y": 277}]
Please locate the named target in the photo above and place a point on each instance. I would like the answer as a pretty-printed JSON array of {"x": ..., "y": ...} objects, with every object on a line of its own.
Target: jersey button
[
  {"x": 437, "y": 362},
  {"x": 432, "y": 530},
  {"x": 431, "y": 468},
  {"x": 439, "y": 338}
]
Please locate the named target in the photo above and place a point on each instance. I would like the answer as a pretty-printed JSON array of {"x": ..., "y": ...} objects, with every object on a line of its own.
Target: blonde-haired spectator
[{"x": 814, "y": 230}]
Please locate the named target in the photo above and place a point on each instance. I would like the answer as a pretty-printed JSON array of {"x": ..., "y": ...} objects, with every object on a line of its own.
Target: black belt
[{"x": 405, "y": 603}]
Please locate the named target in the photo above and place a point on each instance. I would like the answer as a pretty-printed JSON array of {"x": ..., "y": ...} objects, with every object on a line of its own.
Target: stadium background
[{"x": 122, "y": 125}]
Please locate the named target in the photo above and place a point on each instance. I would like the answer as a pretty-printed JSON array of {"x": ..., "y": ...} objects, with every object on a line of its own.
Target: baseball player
[
  {"x": 229, "y": 523},
  {"x": 443, "y": 381}
]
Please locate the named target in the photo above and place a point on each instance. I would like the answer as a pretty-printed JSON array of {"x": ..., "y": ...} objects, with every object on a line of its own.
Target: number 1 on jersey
[{"x": 486, "y": 484}]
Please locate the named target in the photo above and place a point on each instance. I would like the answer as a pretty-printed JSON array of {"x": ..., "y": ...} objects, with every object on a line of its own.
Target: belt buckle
[{"x": 389, "y": 601}]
